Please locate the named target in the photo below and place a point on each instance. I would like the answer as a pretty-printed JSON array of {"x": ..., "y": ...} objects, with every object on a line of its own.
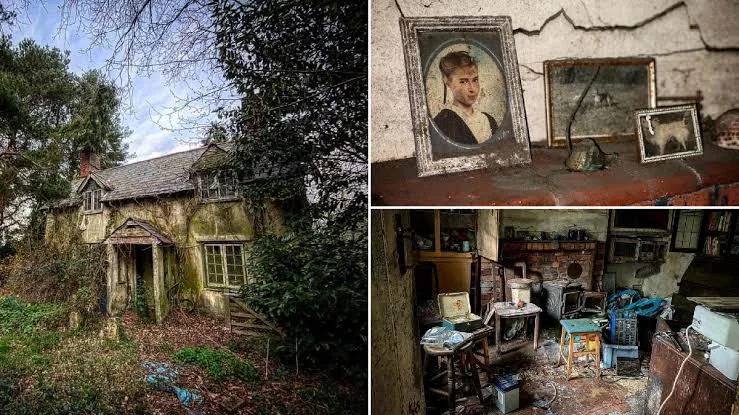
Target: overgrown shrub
[
  {"x": 218, "y": 364},
  {"x": 313, "y": 283},
  {"x": 74, "y": 274}
]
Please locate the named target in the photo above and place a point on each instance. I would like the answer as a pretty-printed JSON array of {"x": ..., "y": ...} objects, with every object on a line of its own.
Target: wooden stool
[
  {"x": 582, "y": 332},
  {"x": 461, "y": 364}
]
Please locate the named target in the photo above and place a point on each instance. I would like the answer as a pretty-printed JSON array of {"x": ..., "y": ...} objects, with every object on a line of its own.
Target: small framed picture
[
  {"x": 668, "y": 133},
  {"x": 620, "y": 86},
  {"x": 465, "y": 92}
]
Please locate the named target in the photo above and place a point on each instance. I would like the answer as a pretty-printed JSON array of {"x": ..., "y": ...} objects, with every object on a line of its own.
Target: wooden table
[
  {"x": 581, "y": 331},
  {"x": 464, "y": 353},
  {"x": 509, "y": 310}
]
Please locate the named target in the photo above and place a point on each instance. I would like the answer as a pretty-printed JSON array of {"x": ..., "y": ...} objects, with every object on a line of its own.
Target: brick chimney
[{"x": 89, "y": 162}]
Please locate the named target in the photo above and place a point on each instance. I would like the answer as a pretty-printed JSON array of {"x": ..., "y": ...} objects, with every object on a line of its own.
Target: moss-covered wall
[{"x": 184, "y": 219}]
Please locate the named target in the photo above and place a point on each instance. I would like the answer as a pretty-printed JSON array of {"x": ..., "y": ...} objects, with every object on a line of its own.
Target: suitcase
[{"x": 456, "y": 313}]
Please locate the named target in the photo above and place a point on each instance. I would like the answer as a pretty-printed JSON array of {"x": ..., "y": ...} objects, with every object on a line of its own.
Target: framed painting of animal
[
  {"x": 465, "y": 93},
  {"x": 611, "y": 89},
  {"x": 668, "y": 133}
]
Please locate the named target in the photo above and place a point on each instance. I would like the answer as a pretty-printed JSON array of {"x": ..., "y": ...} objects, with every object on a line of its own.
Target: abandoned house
[
  {"x": 626, "y": 311},
  {"x": 175, "y": 227}
]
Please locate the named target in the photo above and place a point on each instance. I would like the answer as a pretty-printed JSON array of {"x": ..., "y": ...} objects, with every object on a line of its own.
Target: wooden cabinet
[{"x": 447, "y": 238}]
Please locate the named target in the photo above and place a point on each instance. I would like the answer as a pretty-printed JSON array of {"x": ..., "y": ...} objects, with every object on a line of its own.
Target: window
[
  {"x": 224, "y": 265},
  {"x": 687, "y": 230},
  {"x": 92, "y": 200},
  {"x": 221, "y": 184}
]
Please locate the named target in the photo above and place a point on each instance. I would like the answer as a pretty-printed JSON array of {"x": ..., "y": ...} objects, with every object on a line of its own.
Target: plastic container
[
  {"x": 624, "y": 330},
  {"x": 507, "y": 394},
  {"x": 611, "y": 352},
  {"x": 520, "y": 290},
  {"x": 725, "y": 360}
]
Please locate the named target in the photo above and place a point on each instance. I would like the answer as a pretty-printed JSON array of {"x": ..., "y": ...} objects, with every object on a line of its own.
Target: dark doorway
[{"x": 144, "y": 271}]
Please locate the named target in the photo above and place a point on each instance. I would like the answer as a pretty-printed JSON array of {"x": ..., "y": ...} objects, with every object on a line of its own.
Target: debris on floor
[{"x": 163, "y": 376}]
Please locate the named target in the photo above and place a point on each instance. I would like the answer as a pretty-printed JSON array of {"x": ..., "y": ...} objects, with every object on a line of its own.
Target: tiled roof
[{"x": 154, "y": 177}]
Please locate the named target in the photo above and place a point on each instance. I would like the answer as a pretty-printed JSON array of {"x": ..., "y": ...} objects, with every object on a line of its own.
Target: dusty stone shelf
[{"x": 710, "y": 179}]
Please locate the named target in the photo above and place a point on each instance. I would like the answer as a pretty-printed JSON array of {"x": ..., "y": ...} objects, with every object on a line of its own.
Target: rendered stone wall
[
  {"x": 694, "y": 43},
  {"x": 185, "y": 220}
]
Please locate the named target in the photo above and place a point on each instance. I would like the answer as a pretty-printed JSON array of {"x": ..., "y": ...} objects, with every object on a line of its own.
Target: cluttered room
[{"x": 556, "y": 312}]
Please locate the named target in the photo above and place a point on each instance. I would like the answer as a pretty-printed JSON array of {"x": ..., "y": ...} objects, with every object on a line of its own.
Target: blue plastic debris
[
  {"x": 628, "y": 303},
  {"x": 163, "y": 375}
]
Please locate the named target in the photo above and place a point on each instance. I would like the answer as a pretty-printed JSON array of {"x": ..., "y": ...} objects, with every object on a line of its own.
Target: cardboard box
[{"x": 456, "y": 313}]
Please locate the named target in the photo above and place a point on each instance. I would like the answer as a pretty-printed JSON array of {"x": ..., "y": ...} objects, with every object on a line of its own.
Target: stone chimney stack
[{"x": 89, "y": 162}]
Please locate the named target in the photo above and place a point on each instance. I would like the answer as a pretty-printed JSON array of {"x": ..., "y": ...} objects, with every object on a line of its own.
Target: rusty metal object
[{"x": 700, "y": 390}]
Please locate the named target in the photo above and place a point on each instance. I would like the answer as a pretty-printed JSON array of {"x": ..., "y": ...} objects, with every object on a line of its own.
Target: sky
[{"x": 149, "y": 95}]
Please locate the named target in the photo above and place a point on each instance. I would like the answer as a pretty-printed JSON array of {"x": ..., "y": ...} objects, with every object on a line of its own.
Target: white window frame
[
  {"x": 223, "y": 264},
  {"x": 92, "y": 201},
  {"x": 218, "y": 185}
]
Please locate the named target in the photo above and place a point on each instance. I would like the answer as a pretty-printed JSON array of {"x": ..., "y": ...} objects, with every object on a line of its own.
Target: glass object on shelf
[
  {"x": 688, "y": 229},
  {"x": 422, "y": 223},
  {"x": 457, "y": 230}
]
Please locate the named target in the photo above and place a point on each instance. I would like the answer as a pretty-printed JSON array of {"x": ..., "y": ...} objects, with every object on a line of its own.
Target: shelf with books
[{"x": 720, "y": 236}]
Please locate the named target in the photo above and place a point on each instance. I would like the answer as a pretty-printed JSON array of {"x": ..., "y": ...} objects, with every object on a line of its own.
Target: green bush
[
  {"x": 313, "y": 283},
  {"x": 219, "y": 365}
]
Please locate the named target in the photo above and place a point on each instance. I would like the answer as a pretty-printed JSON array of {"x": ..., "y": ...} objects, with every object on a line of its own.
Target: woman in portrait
[{"x": 461, "y": 120}]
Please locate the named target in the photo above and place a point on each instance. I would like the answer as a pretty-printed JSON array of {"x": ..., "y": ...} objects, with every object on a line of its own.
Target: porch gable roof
[{"x": 137, "y": 231}]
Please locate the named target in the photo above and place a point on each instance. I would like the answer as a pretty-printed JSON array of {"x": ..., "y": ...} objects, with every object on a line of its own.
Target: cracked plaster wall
[
  {"x": 695, "y": 44},
  {"x": 663, "y": 284}
]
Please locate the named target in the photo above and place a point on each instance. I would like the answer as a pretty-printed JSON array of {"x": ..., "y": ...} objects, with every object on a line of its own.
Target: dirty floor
[{"x": 539, "y": 374}]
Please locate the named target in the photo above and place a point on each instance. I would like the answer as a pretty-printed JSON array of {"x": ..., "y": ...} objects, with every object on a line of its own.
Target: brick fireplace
[{"x": 549, "y": 259}]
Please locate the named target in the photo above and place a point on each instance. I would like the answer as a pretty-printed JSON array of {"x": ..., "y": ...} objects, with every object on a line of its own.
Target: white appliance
[
  {"x": 725, "y": 360},
  {"x": 723, "y": 330}
]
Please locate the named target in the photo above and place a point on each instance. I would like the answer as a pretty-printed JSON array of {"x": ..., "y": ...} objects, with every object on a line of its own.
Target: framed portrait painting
[
  {"x": 619, "y": 87},
  {"x": 666, "y": 133},
  {"x": 465, "y": 93}
]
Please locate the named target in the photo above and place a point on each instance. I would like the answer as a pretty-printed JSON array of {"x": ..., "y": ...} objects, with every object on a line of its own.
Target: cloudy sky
[{"x": 149, "y": 97}]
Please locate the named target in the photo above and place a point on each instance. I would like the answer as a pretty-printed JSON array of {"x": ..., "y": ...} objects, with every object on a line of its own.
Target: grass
[
  {"x": 220, "y": 365},
  {"x": 17, "y": 317},
  {"x": 46, "y": 369},
  {"x": 50, "y": 371}
]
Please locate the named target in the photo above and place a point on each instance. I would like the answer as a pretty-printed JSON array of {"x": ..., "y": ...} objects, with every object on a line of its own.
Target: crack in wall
[
  {"x": 614, "y": 27},
  {"x": 397, "y": 5}
]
